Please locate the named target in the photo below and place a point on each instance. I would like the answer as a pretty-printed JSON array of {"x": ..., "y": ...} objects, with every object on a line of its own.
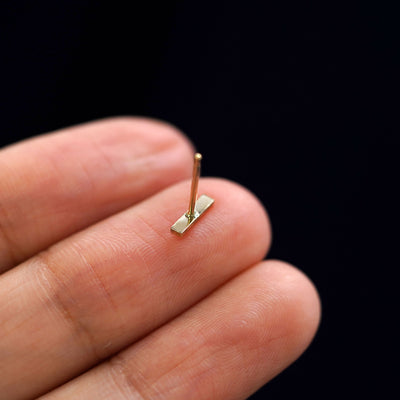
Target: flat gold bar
[{"x": 186, "y": 221}]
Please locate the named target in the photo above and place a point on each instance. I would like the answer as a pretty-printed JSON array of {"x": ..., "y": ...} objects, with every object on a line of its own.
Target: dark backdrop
[{"x": 296, "y": 100}]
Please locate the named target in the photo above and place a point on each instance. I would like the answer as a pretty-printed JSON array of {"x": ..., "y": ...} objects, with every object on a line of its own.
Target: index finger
[{"x": 56, "y": 184}]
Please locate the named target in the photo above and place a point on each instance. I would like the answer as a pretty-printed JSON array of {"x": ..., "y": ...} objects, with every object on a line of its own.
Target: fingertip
[
  {"x": 161, "y": 130},
  {"x": 157, "y": 137},
  {"x": 295, "y": 305},
  {"x": 239, "y": 208},
  {"x": 166, "y": 146}
]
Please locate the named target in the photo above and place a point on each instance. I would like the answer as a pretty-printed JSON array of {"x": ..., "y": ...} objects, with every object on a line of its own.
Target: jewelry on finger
[{"x": 197, "y": 207}]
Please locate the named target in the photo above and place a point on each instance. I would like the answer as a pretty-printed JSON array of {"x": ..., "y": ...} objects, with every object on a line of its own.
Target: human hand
[{"x": 99, "y": 300}]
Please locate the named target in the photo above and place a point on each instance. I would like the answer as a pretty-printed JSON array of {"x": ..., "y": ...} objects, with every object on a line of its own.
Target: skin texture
[
  {"x": 78, "y": 176},
  {"x": 98, "y": 299}
]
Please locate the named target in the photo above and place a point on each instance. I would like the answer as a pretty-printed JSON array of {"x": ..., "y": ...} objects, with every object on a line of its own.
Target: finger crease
[
  {"x": 126, "y": 382},
  {"x": 79, "y": 329}
]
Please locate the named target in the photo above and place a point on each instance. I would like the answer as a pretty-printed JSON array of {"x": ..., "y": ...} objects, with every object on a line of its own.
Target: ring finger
[{"x": 225, "y": 347}]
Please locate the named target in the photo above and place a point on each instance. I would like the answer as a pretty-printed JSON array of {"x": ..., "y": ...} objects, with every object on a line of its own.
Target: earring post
[
  {"x": 195, "y": 184},
  {"x": 197, "y": 206}
]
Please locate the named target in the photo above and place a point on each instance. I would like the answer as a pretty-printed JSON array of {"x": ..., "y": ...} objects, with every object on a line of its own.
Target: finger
[
  {"x": 57, "y": 184},
  {"x": 225, "y": 347},
  {"x": 98, "y": 291}
]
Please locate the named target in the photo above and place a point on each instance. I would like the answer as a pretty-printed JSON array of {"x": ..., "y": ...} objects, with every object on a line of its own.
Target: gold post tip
[{"x": 198, "y": 156}]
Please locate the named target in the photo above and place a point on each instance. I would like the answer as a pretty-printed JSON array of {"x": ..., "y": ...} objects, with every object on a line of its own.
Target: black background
[{"x": 296, "y": 100}]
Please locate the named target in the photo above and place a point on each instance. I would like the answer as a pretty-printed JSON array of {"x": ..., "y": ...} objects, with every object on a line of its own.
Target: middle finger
[{"x": 100, "y": 290}]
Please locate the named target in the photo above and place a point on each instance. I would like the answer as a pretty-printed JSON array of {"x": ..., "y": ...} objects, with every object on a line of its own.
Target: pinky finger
[{"x": 225, "y": 347}]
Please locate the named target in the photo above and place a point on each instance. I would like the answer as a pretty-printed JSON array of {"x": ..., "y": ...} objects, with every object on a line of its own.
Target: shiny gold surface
[
  {"x": 184, "y": 222},
  {"x": 196, "y": 207},
  {"x": 195, "y": 184}
]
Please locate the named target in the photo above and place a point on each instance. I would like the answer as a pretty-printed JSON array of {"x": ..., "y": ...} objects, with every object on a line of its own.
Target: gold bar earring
[{"x": 197, "y": 207}]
